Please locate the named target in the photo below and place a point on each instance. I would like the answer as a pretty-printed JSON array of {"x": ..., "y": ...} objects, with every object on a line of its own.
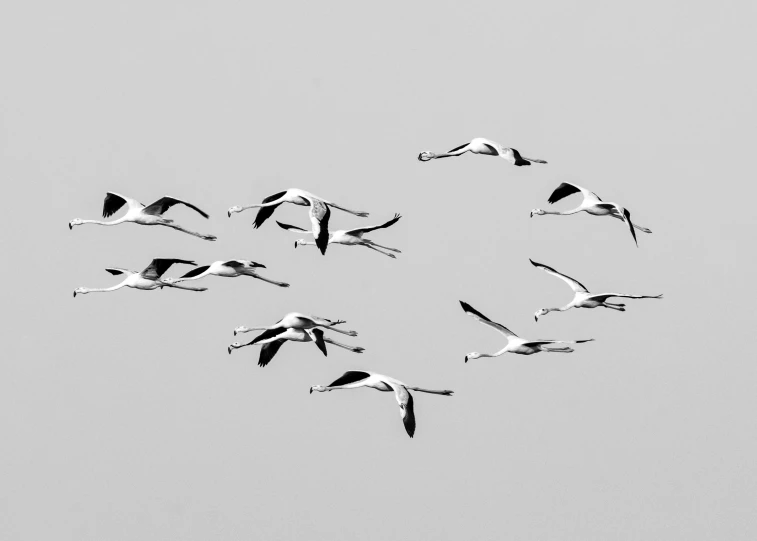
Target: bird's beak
[
  {"x": 229, "y": 213},
  {"x": 229, "y": 349},
  {"x": 311, "y": 390},
  {"x": 531, "y": 215},
  {"x": 70, "y": 226},
  {"x": 295, "y": 244},
  {"x": 74, "y": 294},
  {"x": 235, "y": 332},
  {"x": 466, "y": 358},
  {"x": 536, "y": 318}
]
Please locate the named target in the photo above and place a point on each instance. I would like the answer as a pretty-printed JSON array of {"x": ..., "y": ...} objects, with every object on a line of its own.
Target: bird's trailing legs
[{"x": 179, "y": 228}]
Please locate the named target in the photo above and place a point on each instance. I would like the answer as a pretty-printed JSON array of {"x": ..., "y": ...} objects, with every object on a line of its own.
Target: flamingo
[
  {"x": 582, "y": 297},
  {"x": 515, "y": 344},
  {"x": 349, "y": 237},
  {"x": 146, "y": 280},
  {"x": 296, "y": 320},
  {"x": 590, "y": 204},
  {"x": 140, "y": 214},
  {"x": 352, "y": 379},
  {"x": 227, "y": 269},
  {"x": 319, "y": 211},
  {"x": 487, "y": 147},
  {"x": 272, "y": 344}
]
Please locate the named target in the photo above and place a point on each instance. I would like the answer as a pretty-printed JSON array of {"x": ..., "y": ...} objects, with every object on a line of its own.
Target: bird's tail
[{"x": 431, "y": 391}]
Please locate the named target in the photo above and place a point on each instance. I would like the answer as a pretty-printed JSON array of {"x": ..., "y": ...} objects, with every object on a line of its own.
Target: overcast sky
[{"x": 122, "y": 416}]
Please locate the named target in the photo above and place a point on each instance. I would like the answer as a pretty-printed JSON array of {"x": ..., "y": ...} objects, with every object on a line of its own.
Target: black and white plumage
[
  {"x": 483, "y": 146},
  {"x": 348, "y": 237},
  {"x": 591, "y": 204},
  {"x": 515, "y": 344},
  {"x": 352, "y": 379},
  {"x": 148, "y": 279},
  {"x": 296, "y": 320},
  {"x": 141, "y": 214},
  {"x": 582, "y": 297},
  {"x": 319, "y": 211},
  {"x": 271, "y": 341},
  {"x": 227, "y": 269}
]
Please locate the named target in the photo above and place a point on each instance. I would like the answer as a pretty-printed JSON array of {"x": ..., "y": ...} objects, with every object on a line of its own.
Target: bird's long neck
[
  {"x": 104, "y": 290},
  {"x": 100, "y": 222},
  {"x": 564, "y": 212},
  {"x": 562, "y": 309},
  {"x": 497, "y": 354}
]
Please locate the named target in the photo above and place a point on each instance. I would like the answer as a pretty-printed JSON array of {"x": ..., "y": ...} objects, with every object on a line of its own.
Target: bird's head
[
  {"x": 537, "y": 211},
  {"x": 75, "y": 221},
  {"x": 472, "y": 355},
  {"x": 233, "y": 209},
  {"x": 319, "y": 388},
  {"x": 298, "y": 242},
  {"x": 81, "y": 290},
  {"x": 426, "y": 156},
  {"x": 540, "y": 313},
  {"x": 241, "y": 329},
  {"x": 232, "y": 347}
]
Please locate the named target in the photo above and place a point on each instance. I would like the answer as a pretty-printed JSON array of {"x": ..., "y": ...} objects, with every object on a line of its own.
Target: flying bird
[
  {"x": 146, "y": 280},
  {"x": 138, "y": 213},
  {"x": 515, "y": 344},
  {"x": 349, "y": 237},
  {"x": 352, "y": 379},
  {"x": 590, "y": 204},
  {"x": 273, "y": 342},
  {"x": 296, "y": 320},
  {"x": 319, "y": 211},
  {"x": 227, "y": 269},
  {"x": 582, "y": 298},
  {"x": 480, "y": 145}
]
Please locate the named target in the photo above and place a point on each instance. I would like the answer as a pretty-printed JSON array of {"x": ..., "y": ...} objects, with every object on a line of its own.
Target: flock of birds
[{"x": 296, "y": 327}]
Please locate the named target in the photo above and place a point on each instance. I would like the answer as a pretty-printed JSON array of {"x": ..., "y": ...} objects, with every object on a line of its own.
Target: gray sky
[{"x": 122, "y": 415}]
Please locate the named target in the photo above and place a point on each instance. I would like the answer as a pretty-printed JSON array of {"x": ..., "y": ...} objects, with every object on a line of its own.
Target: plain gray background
[{"x": 122, "y": 416}]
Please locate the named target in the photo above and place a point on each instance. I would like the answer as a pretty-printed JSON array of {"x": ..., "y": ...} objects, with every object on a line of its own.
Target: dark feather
[
  {"x": 164, "y": 203},
  {"x": 563, "y": 190},
  {"x": 458, "y": 148},
  {"x": 159, "y": 266},
  {"x": 495, "y": 152},
  {"x": 196, "y": 272},
  {"x": 291, "y": 227},
  {"x": 535, "y": 264},
  {"x": 519, "y": 160},
  {"x": 115, "y": 272},
  {"x": 268, "y": 351},
  {"x": 265, "y": 212},
  {"x": 318, "y": 334},
  {"x": 112, "y": 203},
  {"x": 268, "y": 333},
  {"x": 630, "y": 225},
  {"x": 351, "y": 376},
  {"x": 409, "y": 419},
  {"x": 320, "y": 212},
  {"x": 468, "y": 308},
  {"x": 373, "y": 228}
]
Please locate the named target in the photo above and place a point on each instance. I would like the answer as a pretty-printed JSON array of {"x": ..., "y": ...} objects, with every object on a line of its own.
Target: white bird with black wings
[
  {"x": 582, "y": 298},
  {"x": 146, "y": 280},
  {"x": 479, "y": 145},
  {"x": 227, "y": 269},
  {"x": 352, "y": 379}
]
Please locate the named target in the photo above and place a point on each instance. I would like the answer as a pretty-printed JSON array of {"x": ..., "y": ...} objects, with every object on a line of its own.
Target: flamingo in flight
[
  {"x": 138, "y": 213},
  {"x": 319, "y": 211},
  {"x": 227, "y": 269},
  {"x": 146, "y": 280},
  {"x": 349, "y": 237},
  {"x": 480, "y": 145},
  {"x": 296, "y": 320},
  {"x": 590, "y": 204},
  {"x": 272, "y": 344},
  {"x": 353, "y": 379},
  {"x": 582, "y": 298},
  {"x": 515, "y": 344}
]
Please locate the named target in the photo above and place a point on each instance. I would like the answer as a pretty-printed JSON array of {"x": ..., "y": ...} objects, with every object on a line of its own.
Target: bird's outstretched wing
[
  {"x": 268, "y": 351},
  {"x": 116, "y": 271},
  {"x": 361, "y": 230},
  {"x": 196, "y": 272},
  {"x": 350, "y": 376},
  {"x": 292, "y": 228},
  {"x": 317, "y": 335},
  {"x": 265, "y": 212},
  {"x": 407, "y": 412},
  {"x": 268, "y": 333},
  {"x": 241, "y": 264},
  {"x": 157, "y": 267},
  {"x": 478, "y": 316},
  {"x": 574, "y": 284},
  {"x": 566, "y": 188},
  {"x": 114, "y": 201},
  {"x": 164, "y": 203},
  {"x": 319, "y": 217},
  {"x": 627, "y": 215},
  {"x": 602, "y": 297}
]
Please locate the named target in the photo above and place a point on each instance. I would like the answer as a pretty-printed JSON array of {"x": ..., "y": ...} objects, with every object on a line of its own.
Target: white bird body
[
  {"x": 353, "y": 379},
  {"x": 227, "y": 269},
  {"x": 480, "y": 145},
  {"x": 147, "y": 280},
  {"x": 582, "y": 298},
  {"x": 348, "y": 237},
  {"x": 296, "y": 320},
  {"x": 319, "y": 211},
  {"x": 515, "y": 344},
  {"x": 591, "y": 204},
  {"x": 141, "y": 214},
  {"x": 271, "y": 341}
]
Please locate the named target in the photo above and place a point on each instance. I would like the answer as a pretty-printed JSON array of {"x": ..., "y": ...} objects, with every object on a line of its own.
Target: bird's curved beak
[
  {"x": 235, "y": 332},
  {"x": 466, "y": 358},
  {"x": 536, "y": 318},
  {"x": 74, "y": 294},
  {"x": 311, "y": 390},
  {"x": 295, "y": 244},
  {"x": 229, "y": 213},
  {"x": 70, "y": 226},
  {"x": 229, "y": 349},
  {"x": 531, "y": 215}
]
